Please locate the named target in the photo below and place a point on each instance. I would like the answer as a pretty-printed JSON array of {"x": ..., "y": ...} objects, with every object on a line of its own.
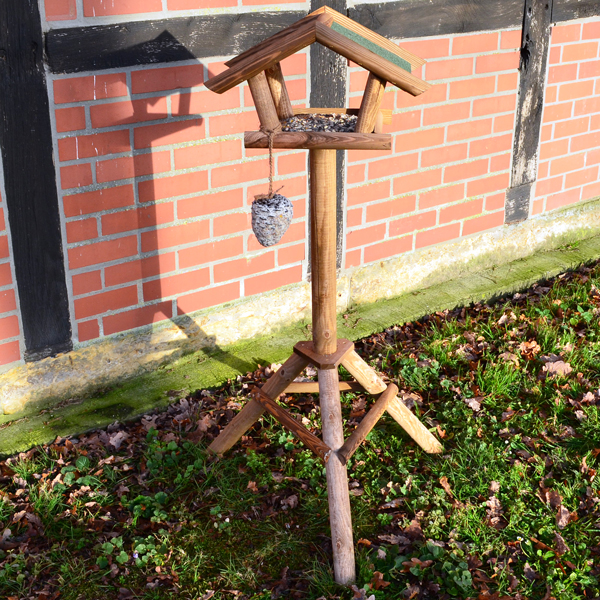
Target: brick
[
  {"x": 235, "y": 269},
  {"x": 443, "y": 195},
  {"x": 554, "y": 55},
  {"x": 355, "y": 174},
  {"x": 165, "y": 134},
  {"x": 446, "y": 113},
  {"x": 595, "y": 122},
  {"x": 141, "y": 218},
  {"x": 470, "y": 129},
  {"x": 591, "y": 31},
  {"x": 294, "y": 64},
  {"x": 99, "y": 144},
  {"x": 207, "y": 154},
  {"x": 171, "y": 78},
  {"x": 88, "y": 330},
  {"x": 86, "y": 283},
  {"x": 139, "y": 269},
  {"x": 574, "y": 91},
  {"x": 70, "y": 119},
  {"x": 405, "y": 120},
  {"x": 494, "y": 105},
  {"x": 139, "y": 317},
  {"x": 553, "y": 149},
  {"x": 98, "y": 201},
  {"x": 2, "y": 221},
  {"x": 81, "y": 231},
  {"x": 272, "y": 281},
  {"x": 495, "y": 202},
  {"x": 233, "y": 123},
  {"x": 5, "y": 274},
  {"x": 291, "y": 163},
  {"x": 205, "y": 102},
  {"x": 467, "y": 170},
  {"x": 413, "y": 223},
  {"x": 585, "y": 142},
  {"x": 479, "y": 86},
  {"x": 578, "y": 52},
  {"x": 461, "y": 211},
  {"x": 174, "y": 285},
  {"x": 7, "y": 301},
  {"x": 563, "y": 199},
  {"x": 197, "y": 4},
  {"x": 4, "y": 251},
  {"x": 76, "y": 176},
  {"x": 364, "y": 236},
  {"x": 446, "y": 69},
  {"x": 488, "y": 185},
  {"x": 391, "y": 208},
  {"x": 587, "y": 106},
  {"x": 206, "y": 253},
  {"x": 211, "y": 203},
  {"x": 9, "y": 327},
  {"x": 105, "y": 301},
  {"x": 551, "y": 94},
  {"x": 548, "y": 186},
  {"x": 392, "y": 166},
  {"x": 437, "y": 93},
  {"x": 493, "y": 63},
  {"x": 130, "y": 111},
  {"x": 106, "y": 8},
  {"x": 213, "y": 296},
  {"x": 178, "y": 235},
  {"x": 239, "y": 173},
  {"x": 572, "y": 162},
  {"x": 129, "y": 167},
  {"x": 358, "y": 81},
  {"x": 437, "y": 235},
  {"x": 295, "y": 233},
  {"x": 500, "y": 163},
  {"x": 291, "y": 254},
  {"x": 546, "y": 133},
  {"x": 589, "y": 69},
  {"x": 475, "y": 44},
  {"x": 292, "y": 187},
  {"x": 95, "y": 87},
  {"x": 510, "y": 39},
  {"x": 592, "y": 157},
  {"x": 418, "y": 181},
  {"x": 447, "y": 154},
  {"x": 60, "y": 10},
  {"x": 581, "y": 178},
  {"x": 231, "y": 223},
  {"x": 368, "y": 193},
  {"x": 425, "y": 138},
  {"x": 557, "y": 112},
  {"x": 9, "y": 353},
  {"x": 388, "y": 248},
  {"x": 590, "y": 191},
  {"x": 428, "y": 48},
  {"x": 101, "y": 252},
  {"x": 571, "y": 127},
  {"x": 492, "y": 145},
  {"x": 562, "y": 34},
  {"x": 483, "y": 223},
  {"x": 353, "y": 259},
  {"x": 543, "y": 168},
  {"x": 176, "y": 185},
  {"x": 508, "y": 82},
  {"x": 561, "y": 73}
]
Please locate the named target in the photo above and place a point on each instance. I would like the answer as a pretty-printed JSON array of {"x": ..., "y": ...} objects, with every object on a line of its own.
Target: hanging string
[{"x": 270, "y": 134}]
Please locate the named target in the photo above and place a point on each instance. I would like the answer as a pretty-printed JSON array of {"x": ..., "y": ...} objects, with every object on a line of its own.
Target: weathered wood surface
[
  {"x": 324, "y": 361},
  {"x": 386, "y": 113},
  {"x": 321, "y": 140},
  {"x": 279, "y": 92},
  {"x": 267, "y": 55},
  {"x": 263, "y": 102},
  {"x": 32, "y": 206},
  {"x": 535, "y": 46},
  {"x": 358, "y": 436},
  {"x": 567, "y": 10},
  {"x": 415, "y": 18},
  {"x": 369, "y": 106},
  {"x": 310, "y": 440},
  {"x": 312, "y": 387},
  {"x": 253, "y": 410},
  {"x": 370, "y": 61}
]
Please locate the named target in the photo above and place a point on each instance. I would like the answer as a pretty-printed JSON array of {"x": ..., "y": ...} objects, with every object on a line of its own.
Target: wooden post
[
  {"x": 369, "y": 107},
  {"x": 279, "y": 92},
  {"x": 323, "y": 263},
  {"x": 263, "y": 101}
]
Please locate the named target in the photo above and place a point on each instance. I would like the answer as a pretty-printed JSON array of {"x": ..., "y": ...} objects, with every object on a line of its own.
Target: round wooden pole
[{"x": 323, "y": 265}]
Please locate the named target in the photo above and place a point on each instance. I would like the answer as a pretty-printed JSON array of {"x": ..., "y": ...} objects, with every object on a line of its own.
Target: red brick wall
[{"x": 570, "y": 138}]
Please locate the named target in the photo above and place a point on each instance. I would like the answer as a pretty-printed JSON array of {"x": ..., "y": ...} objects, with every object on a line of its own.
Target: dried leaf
[
  {"x": 561, "y": 545},
  {"x": 474, "y": 403},
  {"x": 378, "y": 582},
  {"x": 529, "y": 349},
  {"x": 559, "y": 368},
  {"x": 529, "y": 572},
  {"x": 563, "y": 517},
  {"x": 444, "y": 483},
  {"x": 509, "y": 357}
]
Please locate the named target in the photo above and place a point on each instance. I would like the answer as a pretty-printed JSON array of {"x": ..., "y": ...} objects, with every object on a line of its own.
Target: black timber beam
[
  {"x": 30, "y": 182},
  {"x": 568, "y": 10}
]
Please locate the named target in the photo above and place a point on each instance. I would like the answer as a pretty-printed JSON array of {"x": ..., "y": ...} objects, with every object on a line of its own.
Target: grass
[{"x": 511, "y": 509}]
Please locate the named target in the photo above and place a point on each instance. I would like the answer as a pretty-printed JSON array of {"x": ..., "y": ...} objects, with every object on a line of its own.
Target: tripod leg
[
  {"x": 253, "y": 410},
  {"x": 369, "y": 379},
  {"x": 337, "y": 478}
]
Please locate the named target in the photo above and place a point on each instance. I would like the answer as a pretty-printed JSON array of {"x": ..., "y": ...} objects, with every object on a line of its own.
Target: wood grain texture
[
  {"x": 320, "y": 140},
  {"x": 370, "y": 35},
  {"x": 370, "y": 61},
  {"x": 312, "y": 387},
  {"x": 369, "y": 421},
  {"x": 386, "y": 113},
  {"x": 263, "y": 101},
  {"x": 311, "y": 441},
  {"x": 369, "y": 106},
  {"x": 363, "y": 373},
  {"x": 252, "y": 411},
  {"x": 279, "y": 92},
  {"x": 568, "y": 10},
  {"x": 415, "y": 18},
  {"x": 337, "y": 479},
  {"x": 32, "y": 205},
  {"x": 323, "y": 250},
  {"x": 100, "y": 47},
  {"x": 268, "y": 55},
  {"x": 324, "y": 361}
]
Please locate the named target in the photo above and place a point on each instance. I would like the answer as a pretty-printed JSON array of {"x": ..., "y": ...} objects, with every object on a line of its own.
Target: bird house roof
[{"x": 337, "y": 32}]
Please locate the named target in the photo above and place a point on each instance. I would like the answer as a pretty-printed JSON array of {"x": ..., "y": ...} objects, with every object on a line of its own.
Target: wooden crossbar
[{"x": 312, "y": 387}]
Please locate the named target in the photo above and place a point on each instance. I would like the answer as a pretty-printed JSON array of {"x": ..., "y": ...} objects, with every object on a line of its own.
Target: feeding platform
[{"x": 315, "y": 129}]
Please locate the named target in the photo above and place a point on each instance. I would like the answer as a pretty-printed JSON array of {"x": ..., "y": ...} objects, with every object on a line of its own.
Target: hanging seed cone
[{"x": 271, "y": 217}]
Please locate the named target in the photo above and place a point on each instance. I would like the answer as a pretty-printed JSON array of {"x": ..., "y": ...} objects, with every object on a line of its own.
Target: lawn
[{"x": 511, "y": 509}]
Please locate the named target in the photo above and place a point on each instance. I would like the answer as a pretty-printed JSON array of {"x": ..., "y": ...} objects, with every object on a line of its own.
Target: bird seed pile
[{"x": 320, "y": 122}]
